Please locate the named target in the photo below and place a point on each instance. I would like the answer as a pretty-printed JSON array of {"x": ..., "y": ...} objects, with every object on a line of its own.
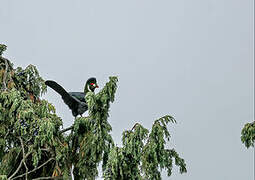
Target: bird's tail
[{"x": 59, "y": 89}]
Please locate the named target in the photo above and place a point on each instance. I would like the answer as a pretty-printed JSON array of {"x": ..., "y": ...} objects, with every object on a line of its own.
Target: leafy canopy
[{"x": 33, "y": 145}]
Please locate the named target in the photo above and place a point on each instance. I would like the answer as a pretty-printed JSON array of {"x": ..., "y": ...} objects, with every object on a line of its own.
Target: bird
[{"x": 74, "y": 100}]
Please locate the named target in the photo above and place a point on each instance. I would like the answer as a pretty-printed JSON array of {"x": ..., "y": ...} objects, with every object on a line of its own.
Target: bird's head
[{"x": 91, "y": 85}]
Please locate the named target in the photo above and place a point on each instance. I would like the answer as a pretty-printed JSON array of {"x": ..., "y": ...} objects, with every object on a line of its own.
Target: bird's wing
[
  {"x": 78, "y": 95},
  {"x": 68, "y": 99}
]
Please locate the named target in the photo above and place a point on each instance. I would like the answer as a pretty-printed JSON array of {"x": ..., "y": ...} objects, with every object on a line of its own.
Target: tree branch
[
  {"x": 20, "y": 165},
  {"x": 67, "y": 129},
  {"x": 7, "y": 134},
  {"x": 17, "y": 170},
  {"x": 134, "y": 126},
  {"x": 24, "y": 155},
  {"x": 47, "y": 178},
  {"x": 34, "y": 168}
]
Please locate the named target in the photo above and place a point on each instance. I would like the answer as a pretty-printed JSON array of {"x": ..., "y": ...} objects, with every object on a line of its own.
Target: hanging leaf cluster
[
  {"x": 143, "y": 154},
  {"x": 248, "y": 134}
]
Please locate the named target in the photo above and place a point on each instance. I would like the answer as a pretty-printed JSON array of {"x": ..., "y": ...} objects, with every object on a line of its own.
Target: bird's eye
[{"x": 91, "y": 84}]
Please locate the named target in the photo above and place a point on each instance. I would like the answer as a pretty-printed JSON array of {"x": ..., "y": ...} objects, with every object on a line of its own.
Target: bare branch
[
  {"x": 24, "y": 155},
  {"x": 45, "y": 149},
  {"x": 7, "y": 133},
  {"x": 17, "y": 170},
  {"x": 67, "y": 129},
  {"x": 34, "y": 168},
  {"x": 20, "y": 165},
  {"x": 48, "y": 178},
  {"x": 134, "y": 126}
]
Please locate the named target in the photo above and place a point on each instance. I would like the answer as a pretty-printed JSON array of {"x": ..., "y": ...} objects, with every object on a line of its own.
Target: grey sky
[{"x": 190, "y": 59}]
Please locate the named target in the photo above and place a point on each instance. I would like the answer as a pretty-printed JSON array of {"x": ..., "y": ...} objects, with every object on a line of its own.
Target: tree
[
  {"x": 33, "y": 145},
  {"x": 248, "y": 134}
]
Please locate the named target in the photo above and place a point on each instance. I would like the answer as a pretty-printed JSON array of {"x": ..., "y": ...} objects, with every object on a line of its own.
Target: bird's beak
[{"x": 95, "y": 85}]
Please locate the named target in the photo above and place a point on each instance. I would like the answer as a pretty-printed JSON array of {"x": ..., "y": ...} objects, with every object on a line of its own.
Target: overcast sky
[{"x": 190, "y": 59}]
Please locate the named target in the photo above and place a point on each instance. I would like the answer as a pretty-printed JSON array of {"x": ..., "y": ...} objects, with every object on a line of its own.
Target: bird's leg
[{"x": 81, "y": 115}]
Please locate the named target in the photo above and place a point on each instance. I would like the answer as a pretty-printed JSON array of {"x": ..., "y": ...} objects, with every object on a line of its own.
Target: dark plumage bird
[{"x": 74, "y": 100}]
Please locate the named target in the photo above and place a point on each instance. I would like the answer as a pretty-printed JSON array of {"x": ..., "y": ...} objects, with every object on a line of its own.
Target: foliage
[
  {"x": 33, "y": 145},
  {"x": 28, "y": 125},
  {"x": 143, "y": 153},
  {"x": 248, "y": 134},
  {"x": 2, "y": 48},
  {"x": 93, "y": 132}
]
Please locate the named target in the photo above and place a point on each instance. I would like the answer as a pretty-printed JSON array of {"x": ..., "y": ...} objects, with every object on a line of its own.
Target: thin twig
[
  {"x": 35, "y": 168},
  {"x": 24, "y": 155},
  {"x": 134, "y": 126},
  {"x": 45, "y": 149},
  {"x": 47, "y": 178},
  {"x": 67, "y": 129},
  {"x": 7, "y": 134},
  {"x": 22, "y": 146}
]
